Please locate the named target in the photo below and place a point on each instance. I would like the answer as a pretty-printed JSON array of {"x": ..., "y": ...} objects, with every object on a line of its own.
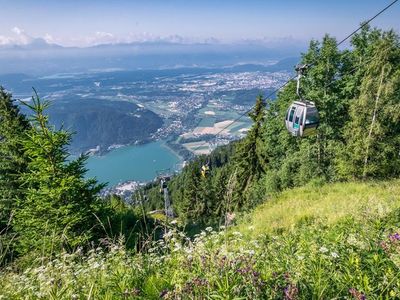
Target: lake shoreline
[{"x": 133, "y": 163}]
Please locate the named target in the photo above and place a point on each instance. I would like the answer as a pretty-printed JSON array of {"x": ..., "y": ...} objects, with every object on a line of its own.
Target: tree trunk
[{"x": 368, "y": 142}]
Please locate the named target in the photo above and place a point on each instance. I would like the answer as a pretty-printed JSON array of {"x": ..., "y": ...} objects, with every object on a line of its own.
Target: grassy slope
[
  {"x": 338, "y": 241},
  {"x": 329, "y": 203}
]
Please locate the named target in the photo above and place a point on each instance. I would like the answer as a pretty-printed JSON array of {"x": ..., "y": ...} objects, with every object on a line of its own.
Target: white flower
[
  {"x": 95, "y": 265},
  {"x": 209, "y": 229},
  {"x": 334, "y": 255},
  {"x": 177, "y": 248},
  {"x": 323, "y": 249}
]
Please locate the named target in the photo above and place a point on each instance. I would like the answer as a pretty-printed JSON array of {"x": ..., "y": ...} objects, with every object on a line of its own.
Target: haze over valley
[{"x": 183, "y": 107}]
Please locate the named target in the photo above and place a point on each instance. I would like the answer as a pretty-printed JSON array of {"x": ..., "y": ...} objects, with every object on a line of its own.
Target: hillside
[
  {"x": 338, "y": 240},
  {"x": 98, "y": 122},
  {"x": 329, "y": 204}
]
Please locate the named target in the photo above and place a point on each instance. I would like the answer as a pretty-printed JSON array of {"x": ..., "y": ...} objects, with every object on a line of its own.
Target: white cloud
[
  {"x": 4, "y": 40},
  {"x": 18, "y": 37},
  {"x": 16, "y": 30},
  {"x": 48, "y": 38},
  {"x": 21, "y": 36}
]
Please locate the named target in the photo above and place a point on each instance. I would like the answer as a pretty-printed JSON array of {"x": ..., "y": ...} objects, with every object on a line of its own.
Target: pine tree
[
  {"x": 249, "y": 157},
  {"x": 59, "y": 204},
  {"x": 13, "y": 162},
  {"x": 373, "y": 134}
]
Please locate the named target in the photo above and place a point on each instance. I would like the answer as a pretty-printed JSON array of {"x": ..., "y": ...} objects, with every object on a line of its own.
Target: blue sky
[{"x": 89, "y": 22}]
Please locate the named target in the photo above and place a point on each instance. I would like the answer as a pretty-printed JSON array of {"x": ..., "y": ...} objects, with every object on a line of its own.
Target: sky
[{"x": 90, "y": 22}]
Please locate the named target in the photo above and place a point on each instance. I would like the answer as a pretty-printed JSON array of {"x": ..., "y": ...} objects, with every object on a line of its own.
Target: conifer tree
[
  {"x": 249, "y": 159},
  {"x": 58, "y": 208},
  {"x": 13, "y": 126},
  {"x": 373, "y": 134}
]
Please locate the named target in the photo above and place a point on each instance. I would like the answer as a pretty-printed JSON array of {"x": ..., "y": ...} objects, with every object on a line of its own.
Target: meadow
[{"x": 332, "y": 241}]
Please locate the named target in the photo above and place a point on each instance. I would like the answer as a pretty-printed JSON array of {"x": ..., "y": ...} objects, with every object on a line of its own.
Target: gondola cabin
[
  {"x": 302, "y": 118},
  {"x": 205, "y": 170},
  {"x": 164, "y": 183}
]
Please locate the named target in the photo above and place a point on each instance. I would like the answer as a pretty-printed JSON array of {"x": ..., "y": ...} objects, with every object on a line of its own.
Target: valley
[{"x": 191, "y": 110}]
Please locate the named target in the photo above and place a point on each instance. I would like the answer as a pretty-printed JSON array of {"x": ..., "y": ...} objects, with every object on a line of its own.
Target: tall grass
[
  {"x": 349, "y": 249},
  {"x": 328, "y": 203}
]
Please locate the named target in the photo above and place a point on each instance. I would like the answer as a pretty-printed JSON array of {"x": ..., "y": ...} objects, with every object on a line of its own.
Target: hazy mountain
[{"x": 39, "y": 57}]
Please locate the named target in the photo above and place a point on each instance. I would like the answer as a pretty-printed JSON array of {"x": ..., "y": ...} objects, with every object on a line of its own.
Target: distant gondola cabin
[{"x": 205, "y": 170}]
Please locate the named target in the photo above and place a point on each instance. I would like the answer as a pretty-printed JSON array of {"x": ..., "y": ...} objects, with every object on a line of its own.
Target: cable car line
[{"x": 308, "y": 65}]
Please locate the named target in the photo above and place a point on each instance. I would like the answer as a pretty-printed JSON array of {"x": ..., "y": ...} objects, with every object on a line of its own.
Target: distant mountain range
[{"x": 39, "y": 57}]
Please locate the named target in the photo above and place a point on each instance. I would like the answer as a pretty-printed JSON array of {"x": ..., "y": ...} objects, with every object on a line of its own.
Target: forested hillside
[{"x": 357, "y": 93}]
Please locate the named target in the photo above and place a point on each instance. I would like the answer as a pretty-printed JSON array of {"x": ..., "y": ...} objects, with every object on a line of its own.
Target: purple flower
[
  {"x": 394, "y": 237},
  {"x": 290, "y": 292}
]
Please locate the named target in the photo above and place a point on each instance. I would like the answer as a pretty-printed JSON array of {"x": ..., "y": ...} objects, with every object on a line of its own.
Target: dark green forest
[{"x": 47, "y": 206}]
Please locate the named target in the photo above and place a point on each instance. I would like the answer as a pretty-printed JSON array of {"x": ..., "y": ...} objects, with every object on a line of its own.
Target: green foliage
[
  {"x": 121, "y": 220},
  {"x": 357, "y": 95},
  {"x": 13, "y": 161},
  {"x": 323, "y": 252},
  {"x": 372, "y": 134},
  {"x": 58, "y": 207},
  {"x": 249, "y": 157}
]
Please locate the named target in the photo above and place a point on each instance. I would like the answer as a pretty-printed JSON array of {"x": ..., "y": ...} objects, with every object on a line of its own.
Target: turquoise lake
[{"x": 137, "y": 162}]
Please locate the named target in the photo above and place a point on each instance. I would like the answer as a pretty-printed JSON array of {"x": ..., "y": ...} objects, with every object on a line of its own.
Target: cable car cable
[{"x": 308, "y": 65}]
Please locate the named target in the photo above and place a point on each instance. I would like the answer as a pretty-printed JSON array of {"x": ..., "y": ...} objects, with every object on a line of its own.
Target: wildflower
[
  {"x": 352, "y": 240},
  {"x": 177, "y": 248},
  {"x": 384, "y": 246},
  {"x": 334, "y": 255},
  {"x": 290, "y": 292},
  {"x": 173, "y": 222},
  {"x": 199, "y": 281},
  {"x": 209, "y": 229},
  {"x": 356, "y": 294},
  {"x": 256, "y": 274},
  {"x": 323, "y": 249},
  {"x": 163, "y": 293},
  {"x": 95, "y": 265},
  {"x": 132, "y": 292},
  {"x": 394, "y": 237}
]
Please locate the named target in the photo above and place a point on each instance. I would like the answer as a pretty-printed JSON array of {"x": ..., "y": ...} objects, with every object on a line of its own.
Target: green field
[{"x": 207, "y": 122}]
